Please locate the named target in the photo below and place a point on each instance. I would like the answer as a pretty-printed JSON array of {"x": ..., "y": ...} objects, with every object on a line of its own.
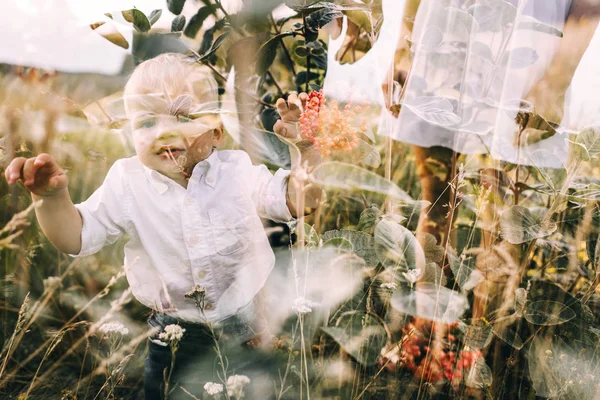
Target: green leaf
[
  {"x": 505, "y": 332},
  {"x": 361, "y": 18},
  {"x": 137, "y": 18},
  {"x": 463, "y": 269},
  {"x": 337, "y": 175},
  {"x": 339, "y": 244},
  {"x": 301, "y": 76},
  {"x": 520, "y": 225},
  {"x": 266, "y": 55},
  {"x": 175, "y": 6},
  {"x": 477, "y": 335},
  {"x": 267, "y": 147},
  {"x": 215, "y": 46},
  {"x": 433, "y": 252},
  {"x": 493, "y": 16},
  {"x": 369, "y": 154},
  {"x": 369, "y": 218},
  {"x": 554, "y": 177},
  {"x": 431, "y": 302},
  {"x": 209, "y": 34},
  {"x": 548, "y": 313},
  {"x": 178, "y": 23},
  {"x": 116, "y": 38},
  {"x": 479, "y": 375},
  {"x": 482, "y": 50},
  {"x": 361, "y": 243},
  {"x": 520, "y": 57},
  {"x": 196, "y": 22},
  {"x": 267, "y": 52},
  {"x": 520, "y": 301},
  {"x": 532, "y": 136},
  {"x": 301, "y": 51},
  {"x": 455, "y": 21},
  {"x": 585, "y": 189},
  {"x": 154, "y": 16},
  {"x": 432, "y": 273},
  {"x": 431, "y": 39},
  {"x": 319, "y": 19},
  {"x": 435, "y": 110},
  {"x": 397, "y": 248},
  {"x": 588, "y": 142},
  {"x": 532, "y": 24},
  {"x": 311, "y": 236},
  {"x": 306, "y": 7},
  {"x": 362, "y": 343},
  {"x": 318, "y": 51}
]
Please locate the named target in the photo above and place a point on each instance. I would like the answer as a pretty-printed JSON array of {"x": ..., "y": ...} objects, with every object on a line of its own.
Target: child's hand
[
  {"x": 41, "y": 174},
  {"x": 290, "y": 112}
]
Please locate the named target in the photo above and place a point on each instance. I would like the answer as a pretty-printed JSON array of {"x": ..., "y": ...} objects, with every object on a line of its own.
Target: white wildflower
[
  {"x": 389, "y": 285},
  {"x": 196, "y": 291},
  {"x": 213, "y": 388},
  {"x": 198, "y": 294},
  {"x": 52, "y": 283},
  {"x": 413, "y": 275},
  {"x": 303, "y": 306},
  {"x": 172, "y": 333},
  {"x": 114, "y": 327},
  {"x": 235, "y": 385}
]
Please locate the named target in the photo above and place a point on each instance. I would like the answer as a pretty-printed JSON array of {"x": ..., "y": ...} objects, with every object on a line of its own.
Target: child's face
[{"x": 171, "y": 145}]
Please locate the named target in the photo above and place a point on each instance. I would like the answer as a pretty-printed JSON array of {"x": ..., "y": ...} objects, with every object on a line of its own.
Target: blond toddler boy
[{"x": 191, "y": 211}]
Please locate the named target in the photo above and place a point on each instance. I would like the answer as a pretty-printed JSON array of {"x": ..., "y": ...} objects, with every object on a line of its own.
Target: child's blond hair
[{"x": 184, "y": 84}]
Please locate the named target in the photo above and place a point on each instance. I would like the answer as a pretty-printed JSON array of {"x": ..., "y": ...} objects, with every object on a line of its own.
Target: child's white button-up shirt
[{"x": 209, "y": 234}]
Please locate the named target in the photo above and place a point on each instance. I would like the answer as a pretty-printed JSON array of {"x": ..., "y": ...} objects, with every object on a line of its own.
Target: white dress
[
  {"x": 473, "y": 62},
  {"x": 582, "y": 103}
]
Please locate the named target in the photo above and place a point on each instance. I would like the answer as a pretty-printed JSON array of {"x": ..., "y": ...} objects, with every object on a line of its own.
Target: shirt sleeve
[
  {"x": 269, "y": 192},
  {"x": 103, "y": 214}
]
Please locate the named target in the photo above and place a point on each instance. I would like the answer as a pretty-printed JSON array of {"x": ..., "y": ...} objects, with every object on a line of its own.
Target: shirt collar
[{"x": 210, "y": 166}]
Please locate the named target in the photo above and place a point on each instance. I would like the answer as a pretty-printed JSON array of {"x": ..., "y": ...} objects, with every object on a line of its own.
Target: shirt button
[
  {"x": 208, "y": 306},
  {"x": 202, "y": 274},
  {"x": 187, "y": 201},
  {"x": 210, "y": 180}
]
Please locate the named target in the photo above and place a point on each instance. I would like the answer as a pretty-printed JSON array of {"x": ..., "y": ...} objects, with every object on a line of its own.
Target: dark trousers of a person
[
  {"x": 196, "y": 360},
  {"x": 194, "y": 350}
]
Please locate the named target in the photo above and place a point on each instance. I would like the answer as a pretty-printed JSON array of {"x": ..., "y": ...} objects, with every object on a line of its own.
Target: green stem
[
  {"x": 553, "y": 208},
  {"x": 275, "y": 83},
  {"x": 285, "y": 50},
  {"x": 451, "y": 205},
  {"x": 308, "y": 56},
  {"x": 522, "y": 126}
]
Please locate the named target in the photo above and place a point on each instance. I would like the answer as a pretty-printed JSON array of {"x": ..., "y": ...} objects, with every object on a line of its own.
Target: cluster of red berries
[
  {"x": 327, "y": 127},
  {"x": 436, "y": 364}
]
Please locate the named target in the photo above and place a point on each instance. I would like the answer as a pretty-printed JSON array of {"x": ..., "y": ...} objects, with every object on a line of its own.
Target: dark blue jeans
[{"x": 196, "y": 361}]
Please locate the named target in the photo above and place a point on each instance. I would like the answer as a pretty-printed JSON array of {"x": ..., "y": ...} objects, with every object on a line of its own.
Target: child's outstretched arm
[
  {"x": 287, "y": 127},
  {"x": 59, "y": 219}
]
